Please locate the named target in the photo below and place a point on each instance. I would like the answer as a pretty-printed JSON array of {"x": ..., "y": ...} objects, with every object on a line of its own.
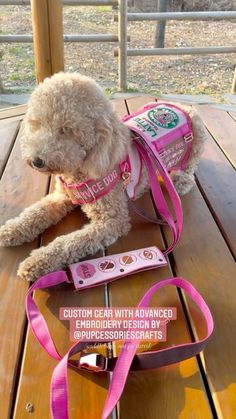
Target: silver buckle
[
  {"x": 79, "y": 195},
  {"x": 188, "y": 137},
  {"x": 93, "y": 362}
]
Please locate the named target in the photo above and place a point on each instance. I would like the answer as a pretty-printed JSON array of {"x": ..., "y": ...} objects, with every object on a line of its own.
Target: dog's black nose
[{"x": 39, "y": 163}]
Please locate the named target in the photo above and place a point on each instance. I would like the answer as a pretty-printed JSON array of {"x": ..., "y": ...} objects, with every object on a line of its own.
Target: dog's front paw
[
  {"x": 12, "y": 234},
  {"x": 35, "y": 266},
  {"x": 183, "y": 182}
]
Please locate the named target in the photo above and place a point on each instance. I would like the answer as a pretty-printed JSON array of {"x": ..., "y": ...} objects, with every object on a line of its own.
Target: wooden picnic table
[{"x": 201, "y": 387}]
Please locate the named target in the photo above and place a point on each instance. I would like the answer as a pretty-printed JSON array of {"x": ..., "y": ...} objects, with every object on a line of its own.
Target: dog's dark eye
[{"x": 65, "y": 130}]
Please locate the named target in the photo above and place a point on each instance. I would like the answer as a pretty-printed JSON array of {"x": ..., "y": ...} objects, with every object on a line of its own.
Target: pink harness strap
[{"x": 153, "y": 165}]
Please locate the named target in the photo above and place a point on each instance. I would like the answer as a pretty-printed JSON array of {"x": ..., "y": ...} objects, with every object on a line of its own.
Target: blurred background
[{"x": 210, "y": 74}]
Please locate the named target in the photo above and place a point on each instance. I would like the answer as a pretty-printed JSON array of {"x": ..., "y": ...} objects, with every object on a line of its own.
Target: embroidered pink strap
[
  {"x": 90, "y": 191},
  {"x": 153, "y": 164},
  {"x": 128, "y": 359},
  {"x": 93, "y": 272}
]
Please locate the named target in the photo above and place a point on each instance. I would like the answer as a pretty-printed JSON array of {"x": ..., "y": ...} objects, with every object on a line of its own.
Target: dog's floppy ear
[
  {"x": 110, "y": 145},
  {"x": 98, "y": 157}
]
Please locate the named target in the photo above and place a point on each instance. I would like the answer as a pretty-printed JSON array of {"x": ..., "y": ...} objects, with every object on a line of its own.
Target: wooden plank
[
  {"x": 55, "y": 25},
  {"x": 222, "y": 127},
  {"x": 120, "y": 107},
  {"x": 8, "y": 132},
  {"x": 182, "y": 384},
  {"x": 203, "y": 257},
  {"x": 41, "y": 36},
  {"x": 13, "y": 111},
  {"x": 217, "y": 180},
  {"x": 144, "y": 395},
  {"x": 87, "y": 392},
  {"x": 134, "y": 103},
  {"x": 233, "y": 115},
  {"x": 19, "y": 187},
  {"x": 188, "y": 99}
]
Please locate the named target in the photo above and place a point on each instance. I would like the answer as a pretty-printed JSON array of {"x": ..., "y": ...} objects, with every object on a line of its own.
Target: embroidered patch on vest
[
  {"x": 164, "y": 117},
  {"x": 166, "y": 129}
]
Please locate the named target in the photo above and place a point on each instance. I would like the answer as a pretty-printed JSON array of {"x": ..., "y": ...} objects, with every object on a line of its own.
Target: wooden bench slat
[
  {"x": 233, "y": 115},
  {"x": 217, "y": 179},
  {"x": 8, "y": 132},
  {"x": 148, "y": 394},
  {"x": 19, "y": 187},
  {"x": 13, "y": 112},
  {"x": 119, "y": 106},
  {"x": 87, "y": 391},
  {"x": 222, "y": 127},
  {"x": 134, "y": 103},
  {"x": 203, "y": 257}
]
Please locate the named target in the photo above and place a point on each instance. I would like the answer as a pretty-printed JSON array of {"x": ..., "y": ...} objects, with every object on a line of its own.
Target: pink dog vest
[{"x": 164, "y": 128}]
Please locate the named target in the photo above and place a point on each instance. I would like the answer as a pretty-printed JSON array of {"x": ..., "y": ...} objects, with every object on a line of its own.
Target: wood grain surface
[
  {"x": 222, "y": 128},
  {"x": 202, "y": 387},
  {"x": 174, "y": 391},
  {"x": 217, "y": 181},
  {"x": 15, "y": 112},
  {"x": 20, "y": 186},
  {"x": 35, "y": 377},
  {"x": 203, "y": 257},
  {"x": 8, "y": 132}
]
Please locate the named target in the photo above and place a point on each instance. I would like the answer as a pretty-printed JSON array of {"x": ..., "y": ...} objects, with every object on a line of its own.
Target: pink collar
[{"x": 91, "y": 190}]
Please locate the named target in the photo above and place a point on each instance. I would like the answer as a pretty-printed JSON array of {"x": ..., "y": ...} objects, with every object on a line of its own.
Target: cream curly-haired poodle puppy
[{"x": 71, "y": 129}]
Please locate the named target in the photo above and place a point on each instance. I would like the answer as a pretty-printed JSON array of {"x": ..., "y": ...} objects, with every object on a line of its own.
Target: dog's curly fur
[{"x": 72, "y": 127}]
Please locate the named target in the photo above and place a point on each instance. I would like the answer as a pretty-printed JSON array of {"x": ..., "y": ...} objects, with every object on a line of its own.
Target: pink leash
[
  {"x": 153, "y": 163},
  {"x": 128, "y": 359}
]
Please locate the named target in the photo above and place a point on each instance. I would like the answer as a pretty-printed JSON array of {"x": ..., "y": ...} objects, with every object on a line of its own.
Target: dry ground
[{"x": 211, "y": 74}]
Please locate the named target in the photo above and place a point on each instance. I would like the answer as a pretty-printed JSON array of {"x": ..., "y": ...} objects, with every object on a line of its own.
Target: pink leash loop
[
  {"x": 36, "y": 320},
  {"x": 128, "y": 351},
  {"x": 59, "y": 385}
]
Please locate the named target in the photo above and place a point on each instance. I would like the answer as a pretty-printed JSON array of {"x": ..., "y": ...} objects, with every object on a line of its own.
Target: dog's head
[{"x": 70, "y": 128}]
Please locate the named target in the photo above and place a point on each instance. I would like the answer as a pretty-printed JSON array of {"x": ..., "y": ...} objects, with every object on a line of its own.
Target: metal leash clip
[{"x": 93, "y": 362}]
